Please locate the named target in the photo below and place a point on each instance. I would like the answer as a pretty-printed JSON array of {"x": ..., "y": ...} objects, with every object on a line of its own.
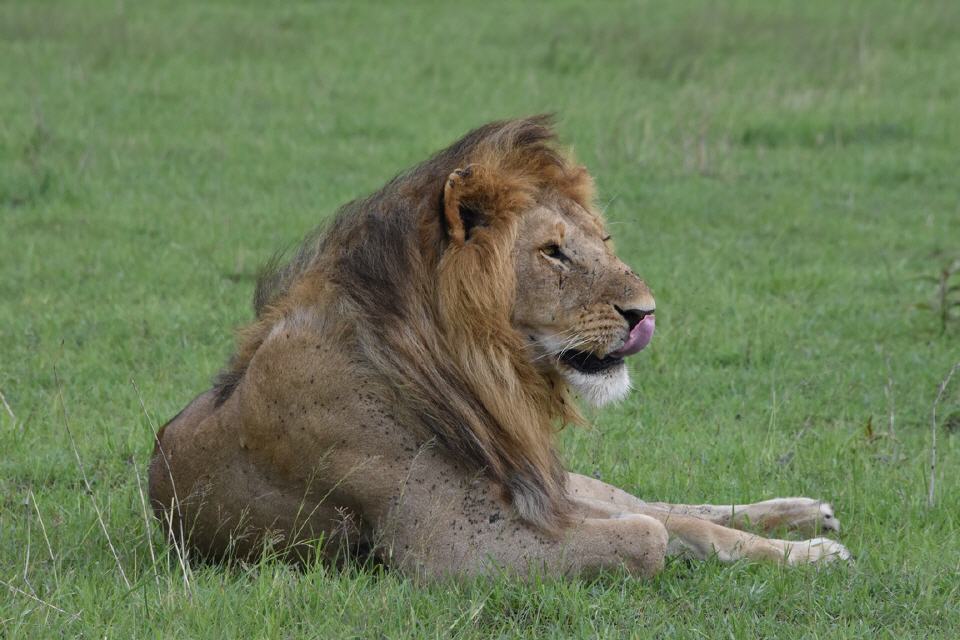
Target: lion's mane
[{"x": 432, "y": 312}]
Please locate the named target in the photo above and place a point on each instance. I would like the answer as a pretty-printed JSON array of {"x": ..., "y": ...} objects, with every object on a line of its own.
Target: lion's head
[
  {"x": 480, "y": 287},
  {"x": 581, "y": 309}
]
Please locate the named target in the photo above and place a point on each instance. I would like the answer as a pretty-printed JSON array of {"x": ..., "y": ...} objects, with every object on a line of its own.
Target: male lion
[{"x": 399, "y": 390}]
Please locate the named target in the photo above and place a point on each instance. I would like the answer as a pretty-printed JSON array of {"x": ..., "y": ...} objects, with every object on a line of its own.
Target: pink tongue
[{"x": 639, "y": 337}]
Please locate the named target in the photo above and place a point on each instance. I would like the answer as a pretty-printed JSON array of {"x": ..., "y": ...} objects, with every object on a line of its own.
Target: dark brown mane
[{"x": 432, "y": 316}]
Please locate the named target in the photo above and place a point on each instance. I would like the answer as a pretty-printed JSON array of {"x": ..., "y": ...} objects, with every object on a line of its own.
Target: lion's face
[{"x": 580, "y": 308}]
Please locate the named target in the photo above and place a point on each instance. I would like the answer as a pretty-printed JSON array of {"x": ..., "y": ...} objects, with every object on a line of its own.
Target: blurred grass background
[{"x": 784, "y": 175}]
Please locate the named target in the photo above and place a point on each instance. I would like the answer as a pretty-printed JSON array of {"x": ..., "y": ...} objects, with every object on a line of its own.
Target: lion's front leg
[
  {"x": 446, "y": 522},
  {"x": 699, "y": 531},
  {"x": 702, "y": 539},
  {"x": 805, "y": 515}
]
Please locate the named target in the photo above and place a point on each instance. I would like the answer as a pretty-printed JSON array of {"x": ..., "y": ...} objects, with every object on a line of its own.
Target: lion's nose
[{"x": 634, "y": 316}]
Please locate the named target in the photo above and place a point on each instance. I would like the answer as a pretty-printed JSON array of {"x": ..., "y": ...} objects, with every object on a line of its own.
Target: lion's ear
[
  {"x": 481, "y": 196},
  {"x": 461, "y": 216}
]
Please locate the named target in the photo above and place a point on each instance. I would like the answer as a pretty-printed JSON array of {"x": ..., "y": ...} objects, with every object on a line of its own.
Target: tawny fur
[
  {"x": 460, "y": 299},
  {"x": 401, "y": 384}
]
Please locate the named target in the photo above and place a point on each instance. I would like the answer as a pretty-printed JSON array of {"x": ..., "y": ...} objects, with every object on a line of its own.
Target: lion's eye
[{"x": 554, "y": 252}]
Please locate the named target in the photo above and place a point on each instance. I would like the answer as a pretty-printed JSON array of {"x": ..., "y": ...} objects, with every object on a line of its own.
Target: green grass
[{"x": 783, "y": 174}]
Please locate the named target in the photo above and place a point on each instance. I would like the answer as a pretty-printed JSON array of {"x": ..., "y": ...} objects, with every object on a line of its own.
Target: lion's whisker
[
  {"x": 565, "y": 346},
  {"x": 545, "y": 339}
]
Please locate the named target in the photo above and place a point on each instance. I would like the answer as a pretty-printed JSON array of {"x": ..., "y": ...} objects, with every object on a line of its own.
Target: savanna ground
[{"x": 784, "y": 175}]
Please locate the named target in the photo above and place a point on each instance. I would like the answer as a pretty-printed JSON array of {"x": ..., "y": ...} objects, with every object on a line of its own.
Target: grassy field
[{"x": 783, "y": 174}]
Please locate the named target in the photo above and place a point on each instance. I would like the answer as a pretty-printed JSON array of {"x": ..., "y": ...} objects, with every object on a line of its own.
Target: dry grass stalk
[
  {"x": 86, "y": 481},
  {"x": 179, "y": 548},
  {"x": 931, "y": 491}
]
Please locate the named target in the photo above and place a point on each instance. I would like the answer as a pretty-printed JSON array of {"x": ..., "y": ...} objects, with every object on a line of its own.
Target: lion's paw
[
  {"x": 813, "y": 516},
  {"x": 826, "y": 519},
  {"x": 806, "y": 515},
  {"x": 815, "y": 550}
]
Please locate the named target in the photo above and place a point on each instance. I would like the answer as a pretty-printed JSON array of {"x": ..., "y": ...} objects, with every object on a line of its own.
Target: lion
[{"x": 398, "y": 394}]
